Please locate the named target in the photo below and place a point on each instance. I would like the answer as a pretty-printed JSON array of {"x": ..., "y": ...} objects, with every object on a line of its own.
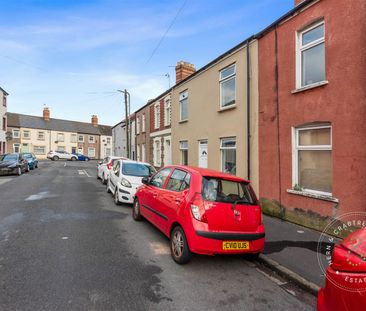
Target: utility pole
[{"x": 127, "y": 120}]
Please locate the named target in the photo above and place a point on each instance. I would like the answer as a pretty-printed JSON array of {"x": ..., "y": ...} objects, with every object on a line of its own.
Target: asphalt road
[{"x": 64, "y": 245}]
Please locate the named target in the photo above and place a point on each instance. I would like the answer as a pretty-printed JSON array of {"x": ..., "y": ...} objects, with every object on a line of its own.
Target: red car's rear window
[{"x": 227, "y": 191}]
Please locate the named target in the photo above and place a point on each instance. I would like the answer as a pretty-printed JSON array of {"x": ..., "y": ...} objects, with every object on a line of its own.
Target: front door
[
  {"x": 73, "y": 149},
  {"x": 202, "y": 153},
  {"x": 167, "y": 151}
]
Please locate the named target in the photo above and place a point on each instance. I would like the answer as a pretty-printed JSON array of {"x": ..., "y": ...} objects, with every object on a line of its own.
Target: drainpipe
[{"x": 248, "y": 110}]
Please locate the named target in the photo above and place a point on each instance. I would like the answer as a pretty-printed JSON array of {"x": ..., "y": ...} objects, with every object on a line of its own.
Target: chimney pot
[
  {"x": 297, "y": 2},
  {"x": 94, "y": 120},
  {"x": 183, "y": 70},
  {"x": 46, "y": 113}
]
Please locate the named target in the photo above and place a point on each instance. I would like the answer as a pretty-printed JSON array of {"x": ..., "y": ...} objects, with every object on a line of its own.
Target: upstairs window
[
  {"x": 40, "y": 136},
  {"x": 60, "y": 137},
  {"x": 183, "y": 106},
  {"x": 81, "y": 138},
  {"x": 311, "y": 55},
  {"x": 73, "y": 138},
  {"x": 157, "y": 116},
  {"x": 16, "y": 134},
  {"x": 138, "y": 125},
  {"x": 167, "y": 112},
  {"x": 91, "y": 139},
  {"x": 228, "y": 86},
  {"x": 143, "y": 123},
  {"x": 26, "y": 134}
]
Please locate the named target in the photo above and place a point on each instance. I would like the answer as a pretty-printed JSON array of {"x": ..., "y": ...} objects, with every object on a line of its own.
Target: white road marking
[
  {"x": 81, "y": 172},
  {"x": 64, "y": 164},
  {"x": 87, "y": 173},
  {"x": 40, "y": 196},
  {"x": 65, "y": 238},
  {"x": 4, "y": 180},
  {"x": 300, "y": 231}
]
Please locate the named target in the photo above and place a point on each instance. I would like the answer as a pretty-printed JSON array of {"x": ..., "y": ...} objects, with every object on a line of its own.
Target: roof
[
  {"x": 27, "y": 121},
  {"x": 5, "y": 92}
]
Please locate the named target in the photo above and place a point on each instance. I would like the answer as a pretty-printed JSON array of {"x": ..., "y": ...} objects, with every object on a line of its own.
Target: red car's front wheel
[{"x": 179, "y": 246}]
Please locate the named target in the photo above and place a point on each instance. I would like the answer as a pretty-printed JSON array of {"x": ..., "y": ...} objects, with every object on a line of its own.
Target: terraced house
[
  {"x": 3, "y": 120},
  {"x": 42, "y": 134}
]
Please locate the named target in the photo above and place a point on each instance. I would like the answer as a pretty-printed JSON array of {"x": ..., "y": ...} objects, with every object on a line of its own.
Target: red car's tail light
[{"x": 198, "y": 208}]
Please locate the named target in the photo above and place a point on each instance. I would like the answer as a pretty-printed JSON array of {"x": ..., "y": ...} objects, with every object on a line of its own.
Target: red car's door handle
[
  {"x": 155, "y": 195},
  {"x": 177, "y": 201}
]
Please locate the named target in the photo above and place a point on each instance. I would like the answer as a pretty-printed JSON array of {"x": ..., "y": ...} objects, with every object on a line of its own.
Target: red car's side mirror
[{"x": 145, "y": 180}]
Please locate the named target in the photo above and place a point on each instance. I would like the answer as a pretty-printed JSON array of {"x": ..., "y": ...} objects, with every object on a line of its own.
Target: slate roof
[{"x": 34, "y": 122}]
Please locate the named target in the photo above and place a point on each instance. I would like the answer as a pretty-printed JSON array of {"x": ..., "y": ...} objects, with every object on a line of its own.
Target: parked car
[
  {"x": 202, "y": 211},
  {"x": 104, "y": 168},
  {"x": 125, "y": 177},
  {"x": 345, "y": 286},
  {"x": 13, "y": 163},
  {"x": 81, "y": 157},
  {"x": 60, "y": 154},
  {"x": 31, "y": 159}
]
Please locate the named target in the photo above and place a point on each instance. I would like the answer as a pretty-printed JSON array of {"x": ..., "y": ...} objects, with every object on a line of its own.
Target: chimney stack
[
  {"x": 297, "y": 2},
  {"x": 94, "y": 120},
  {"x": 46, "y": 114},
  {"x": 183, "y": 70}
]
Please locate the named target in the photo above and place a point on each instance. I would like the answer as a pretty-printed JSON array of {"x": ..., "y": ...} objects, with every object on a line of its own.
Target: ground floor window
[
  {"x": 312, "y": 161},
  {"x": 91, "y": 152},
  {"x": 157, "y": 152},
  {"x": 108, "y": 152},
  {"x": 183, "y": 146},
  {"x": 39, "y": 150},
  {"x": 143, "y": 153},
  {"x": 16, "y": 148},
  {"x": 228, "y": 155},
  {"x": 61, "y": 148}
]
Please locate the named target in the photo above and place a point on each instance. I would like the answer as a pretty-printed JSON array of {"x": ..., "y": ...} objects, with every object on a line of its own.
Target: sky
[{"x": 72, "y": 56}]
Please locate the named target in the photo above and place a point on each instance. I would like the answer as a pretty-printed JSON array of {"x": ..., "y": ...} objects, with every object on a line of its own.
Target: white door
[
  {"x": 167, "y": 152},
  {"x": 202, "y": 153}
]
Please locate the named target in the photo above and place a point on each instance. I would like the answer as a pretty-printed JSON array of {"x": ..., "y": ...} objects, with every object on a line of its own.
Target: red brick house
[{"x": 312, "y": 129}]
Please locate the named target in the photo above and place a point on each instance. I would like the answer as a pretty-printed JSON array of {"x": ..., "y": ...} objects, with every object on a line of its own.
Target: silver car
[{"x": 57, "y": 155}]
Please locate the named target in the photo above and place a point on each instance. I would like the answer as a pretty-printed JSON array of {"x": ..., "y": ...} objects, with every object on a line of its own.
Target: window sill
[
  {"x": 323, "y": 197},
  {"x": 183, "y": 121},
  {"x": 310, "y": 86},
  {"x": 227, "y": 108}
]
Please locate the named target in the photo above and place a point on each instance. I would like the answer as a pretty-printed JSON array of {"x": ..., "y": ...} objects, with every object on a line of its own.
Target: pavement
[
  {"x": 64, "y": 245},
  {"x": 292, "y": 251}
]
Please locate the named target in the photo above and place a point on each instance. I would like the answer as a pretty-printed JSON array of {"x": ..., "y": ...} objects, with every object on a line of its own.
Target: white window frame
[
  {"x": 143, "y": 153},
  {"x": 143, "y": 123},
  {"x": 29, "y": 134},
  {"x": 157, "y": 152},
  {"x": 91, "y": 139},
  {"x": 222, "y": 80},
  {"x": 39, "y": 153},
  {"x": 226, "y": 148},
  {"x": 42, "y": 133},
  {"x": 80, "y": 140},
  {"x": 138, "y": 125},
  {"x": 73, "y": 138},
  {"x": 60, "y": 135},
  {"x": 157, "y": 116},
  {"x": 183, "y": 96},
  {"x": 91, "y": 148},
  {"x": 300, "y": 48},
  {"x": 182, "y": 148},
  {"x": 295, "y": 153},
  {"x": 167, "y": 112},
  {"x": 16, "y": 131}
]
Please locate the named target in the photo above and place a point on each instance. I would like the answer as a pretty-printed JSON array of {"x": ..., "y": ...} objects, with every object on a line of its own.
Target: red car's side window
[
  {"x": 178, "y": 181},
  {"x": 159, "y": 179}
]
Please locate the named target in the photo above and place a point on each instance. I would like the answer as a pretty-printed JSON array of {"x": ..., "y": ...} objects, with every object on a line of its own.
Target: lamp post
[{"x": 127, "y": 119}]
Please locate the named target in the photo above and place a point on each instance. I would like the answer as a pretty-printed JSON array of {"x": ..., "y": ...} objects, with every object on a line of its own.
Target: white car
[
  {"x": 104, "y": 168},
  {"x": 125, "y": 177},
  {"x": 57, "y": 155}
]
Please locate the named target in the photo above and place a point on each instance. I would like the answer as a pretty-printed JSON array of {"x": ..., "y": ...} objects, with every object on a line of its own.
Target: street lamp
[{"x": 127, "y": 120}]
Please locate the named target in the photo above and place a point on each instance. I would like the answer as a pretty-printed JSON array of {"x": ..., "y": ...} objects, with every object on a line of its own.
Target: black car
[{"x": 13, "y": 163}]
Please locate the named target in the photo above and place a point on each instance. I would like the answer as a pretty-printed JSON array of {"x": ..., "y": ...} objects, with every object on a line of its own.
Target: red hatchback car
[
  {"x": 202, "y": 211},
  {"x": 345, "y": 287}
]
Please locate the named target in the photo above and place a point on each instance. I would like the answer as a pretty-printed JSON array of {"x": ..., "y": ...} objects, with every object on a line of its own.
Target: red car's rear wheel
[{"x": 179, "y": 246}]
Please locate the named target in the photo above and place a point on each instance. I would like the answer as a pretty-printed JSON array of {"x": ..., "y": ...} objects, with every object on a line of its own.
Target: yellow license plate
[{"x": 235, "y": 245}]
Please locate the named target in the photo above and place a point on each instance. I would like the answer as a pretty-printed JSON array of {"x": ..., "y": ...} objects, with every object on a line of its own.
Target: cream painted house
[
  {"x": 209, "y": 125},
  {"x": 43, "y": 134},
  {"x": 3, "y": 120}
]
